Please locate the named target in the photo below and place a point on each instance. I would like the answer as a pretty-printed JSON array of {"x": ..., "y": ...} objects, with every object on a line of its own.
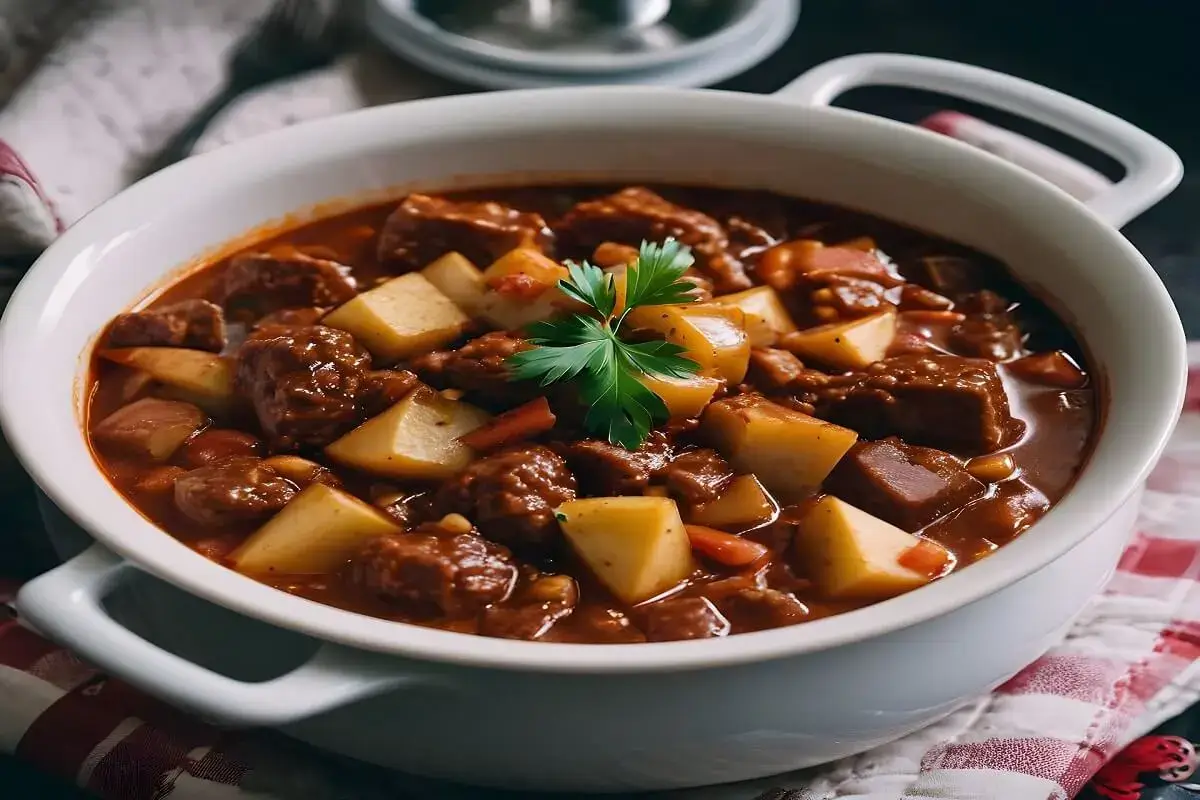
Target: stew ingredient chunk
[{"x": 752, "y": 411}]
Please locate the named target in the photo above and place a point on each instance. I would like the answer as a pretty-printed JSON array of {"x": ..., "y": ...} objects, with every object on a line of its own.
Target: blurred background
[{"x": 92, "y": 92}]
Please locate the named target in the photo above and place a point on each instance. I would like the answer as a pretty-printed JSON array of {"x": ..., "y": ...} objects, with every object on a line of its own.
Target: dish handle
[
  {"x": 66, "y": 605},
  {"x": 1152, "y": 169}
]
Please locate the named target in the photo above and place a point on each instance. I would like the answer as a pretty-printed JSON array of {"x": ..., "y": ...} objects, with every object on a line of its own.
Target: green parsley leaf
[
  {"x": 660, "y": 359},
  {"x": 620, "y": 407},
  {"x": 591, "y": 286},
  {"x": 655, "y": 279},
  {"x": 587, "y": 351}
]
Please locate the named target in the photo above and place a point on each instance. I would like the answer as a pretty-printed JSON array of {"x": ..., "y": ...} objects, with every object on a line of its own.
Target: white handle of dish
[
  {"x": 1152, "y": 169},
  {"x": 66, "y": 605}
]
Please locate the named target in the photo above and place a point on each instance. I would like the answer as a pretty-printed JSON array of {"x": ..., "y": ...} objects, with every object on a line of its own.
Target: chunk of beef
[
  {"x": 703, "y": 291},
  {"x": 232, "y": 491},
  {"x": 988, "y": 331},
  {"x": 383, "y": 388},
  {"x": 304, "y": 383},
  {"x": 303, "y": 317},
  {"x": 218, "y": 444},
  {"x": 433, "y": 569},
  {"x": 911, "y": 341},
  {"x": 763, "y": 609},
  {"x": 605, "y": 625},
  {"x": 999, "y": 519},
  {"x": 984, "y": 301},
  {"x": 255, "y": 284},
  {"x": 953, "y": 403},
  {"x": 635, "y": 214},
  {"x": 848, "y": 297},
  {"x": 1053, "y": 368},
  {"x": 197, "y": 324},
  {"x": 511, "y": 495},
  {"x": 749, "y": 605},
  {"x": 479, "y": 368},
  {"x": 148, "y": 428},
  {"x": 697, "y": 476},
  {"x": 531, "y": 613},
  {"x": 605, "y": 470},
  {"x": 951, "y": 276},
  {"x": 405, "y": 507},
  {"x": 813, "y": 262},
  {"x": 748, "y": 237},
  {"x": 906, "y": 485},
  {"x": 680, "y": 618},
  {"x": 423, "y": 228},
  {"x": 772, "y": 368}
]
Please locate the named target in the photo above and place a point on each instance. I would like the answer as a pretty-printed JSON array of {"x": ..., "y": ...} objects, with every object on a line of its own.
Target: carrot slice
[
  {"x": 926, "y": 557},
  {"x": 520, "y": 423},
  {"x": 724, "y": 548}
]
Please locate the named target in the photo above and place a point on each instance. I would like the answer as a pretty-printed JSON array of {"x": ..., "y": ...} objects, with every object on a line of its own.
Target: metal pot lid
[{"x": 580, "y": 38}]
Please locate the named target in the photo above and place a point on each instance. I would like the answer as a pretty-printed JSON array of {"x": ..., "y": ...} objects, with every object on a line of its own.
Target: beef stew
[{"x": 333, "y": 411}]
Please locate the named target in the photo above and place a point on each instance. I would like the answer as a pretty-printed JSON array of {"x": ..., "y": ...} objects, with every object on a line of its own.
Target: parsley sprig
[{"x": 586, "y": 349}]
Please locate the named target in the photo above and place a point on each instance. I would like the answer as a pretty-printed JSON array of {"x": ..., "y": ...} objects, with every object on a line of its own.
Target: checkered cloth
[{"x": 1125, "y": 666}]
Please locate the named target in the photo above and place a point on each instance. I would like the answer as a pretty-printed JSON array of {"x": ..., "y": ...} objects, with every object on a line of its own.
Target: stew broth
[{"x": 974, "y": 421}]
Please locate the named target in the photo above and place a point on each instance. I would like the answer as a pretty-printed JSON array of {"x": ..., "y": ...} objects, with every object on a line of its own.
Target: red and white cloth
[{"x": 1127, "y": 665}]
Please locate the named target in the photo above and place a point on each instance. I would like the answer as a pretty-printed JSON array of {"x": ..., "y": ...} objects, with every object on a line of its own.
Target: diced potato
[
  {"x": 852, "y": 555},
  {"x": 743, "y": 504},
  {"x": 511, "y": 312},
  {"x": 525, "y": 261},
  {"x": 219, "y": 407},
  {"x": 713, "y": 335},
  {"x": 417, "y": 438},
  {"x": 790, "y": 452},
  {"x": 458, "y": 279},
  {"x": 636, "y": 546},
  {"x": 400, "y": 318},
  {"x": 133, "y": 383},
  {"x": 766, "y": 318},
  {"x": 318, "y": 531},
  {"x": 203, "y": 378},
  {"x": 685, "y": 397},
  {"x": 846, "y": 345},
  {"x": 151, "y": 428}
]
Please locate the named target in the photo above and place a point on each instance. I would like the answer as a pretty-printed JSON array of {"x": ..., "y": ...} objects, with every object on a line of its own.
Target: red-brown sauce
[{"x": 951, "y": 300}]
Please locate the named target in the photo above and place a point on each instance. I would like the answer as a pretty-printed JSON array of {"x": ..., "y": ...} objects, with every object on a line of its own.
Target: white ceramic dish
[
  {"x": 398, "y": 15},
  {"x": 578, "y": 717},
  {"x": 752, "y": 44}
]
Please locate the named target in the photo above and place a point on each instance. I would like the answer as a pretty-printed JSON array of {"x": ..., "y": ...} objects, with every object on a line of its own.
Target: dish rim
[{"x": 1108, "y": 484}]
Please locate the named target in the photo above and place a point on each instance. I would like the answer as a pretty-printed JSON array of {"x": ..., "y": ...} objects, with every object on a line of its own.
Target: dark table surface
[{"x": 1129, "y": 58}]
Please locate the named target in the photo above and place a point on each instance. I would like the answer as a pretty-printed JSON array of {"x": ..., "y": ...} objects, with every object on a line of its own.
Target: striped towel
[{"x": 1125, "y": 666}]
